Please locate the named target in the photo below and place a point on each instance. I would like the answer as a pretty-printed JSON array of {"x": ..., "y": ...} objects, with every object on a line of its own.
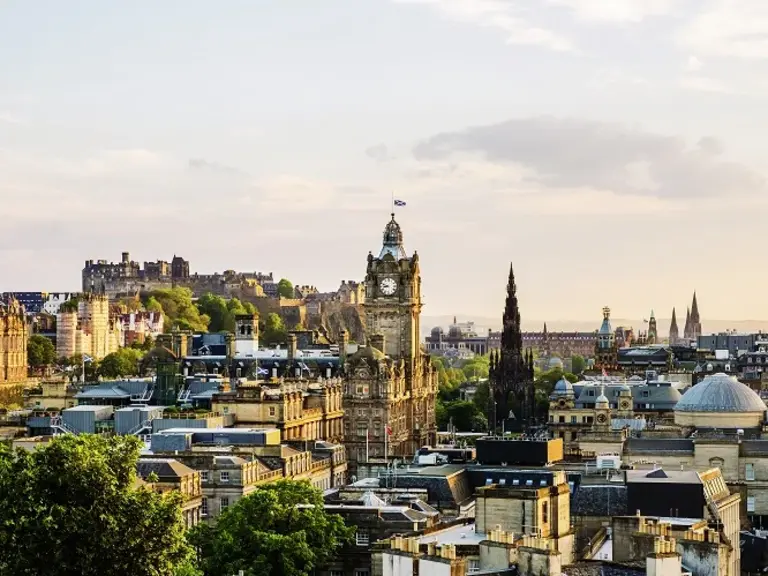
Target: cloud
[
  {"x": 505, "y": 15},
  {"x": 705, "y": 84},
  {"x": 693, "y": 64},
  {"x": 379, "y": 152},
  {"x": 617, "y": 11},
  {"x": 568, "y": 153},
  {"x": 9, "y": 118},
  {"x": 203, "y": 164},
  {"x": 728, "y": 28}
]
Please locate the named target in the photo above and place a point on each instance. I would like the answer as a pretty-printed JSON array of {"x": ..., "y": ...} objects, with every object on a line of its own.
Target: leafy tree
[
  {"x": 482, "y": 398},
  {"x": 274, "y": 330},
  {"x": 215, "y": 307},
  {"x": 74, "y": 507},
  {"x": 70, "y": 305},
  {"x": 285, "y": 288},
  {"x": 179, "y": 310},
  {"x": 280, "y": 528},
  {"x": 152, "y": 305},
  {"x": 124, "y": 362},
  {"x": 578, "y": 364},
  {"x": 40, "y": 352},
  {"x": 476, "y": 368}
]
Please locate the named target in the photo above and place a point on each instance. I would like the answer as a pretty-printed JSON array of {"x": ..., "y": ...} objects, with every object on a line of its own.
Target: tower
[
  {"x": 246, "y": 334},
  {"x": 674, "y": 333},
  {"x": 687, "y": 329},
  {"x": 393, "y": 296},
  {"x": 512, "y": 373},
  {"x": 390, "y": 385},
  {"x": 652, "y": 332},
  {"x": 695, "y": 319},
  {"x": 605, "y": 346},
  {"x": 602, "y": 412}
]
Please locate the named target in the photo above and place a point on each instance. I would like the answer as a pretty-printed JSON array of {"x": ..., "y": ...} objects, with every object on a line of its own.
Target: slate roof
[
  {"x": 163, "y": 467},
  {"x": 661, "y": 396},
  {"x": 653, "y": 445},
  {"x": 599, "y": 500}
]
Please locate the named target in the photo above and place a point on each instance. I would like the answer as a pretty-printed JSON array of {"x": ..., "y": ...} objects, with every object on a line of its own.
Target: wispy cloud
[
  {"x": 693, "y": 64},
  {"x": 203, "y": 164},
  {"x": 9, "y": 118},
  {"x": 617, "y": 11},
  {"x": 379, "y": 153},
  {"x": 570, "y": 153},
  {"x": 505, "y": 15},
  {"x": 728, "y": 28},
  {"x": 701, "y": 83}
]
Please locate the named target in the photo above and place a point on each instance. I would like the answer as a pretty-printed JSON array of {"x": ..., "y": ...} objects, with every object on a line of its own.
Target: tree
[
  {"x": 280, "y": 528},
  {"x": 40, "y": 352},
  {"x": 179, "y": 310},
  {"x": 285, "y": 288},
  {"x": 578, "y": 364},
  {"x": 74, "y": 507},
  {"x": 274, "y": 330},
  {"x": 215, "y": 307},
  {"x": 124, "y": 362}
]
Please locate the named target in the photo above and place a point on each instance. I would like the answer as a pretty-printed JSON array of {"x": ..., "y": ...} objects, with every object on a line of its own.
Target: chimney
[
  {"x": 126, "y": 258},
  {"x": 377, "y": 341},
  {"x": 343, "y": 343},
  {"x": 292, "y": 345},
  {"x": 665, "y": 561}
]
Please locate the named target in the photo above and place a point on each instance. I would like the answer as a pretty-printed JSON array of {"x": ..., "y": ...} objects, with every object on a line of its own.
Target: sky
[{"x": 612, "y": 150}]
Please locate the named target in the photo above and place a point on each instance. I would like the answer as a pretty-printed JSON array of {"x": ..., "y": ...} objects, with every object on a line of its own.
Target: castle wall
[{"x": 13, "y": 346}]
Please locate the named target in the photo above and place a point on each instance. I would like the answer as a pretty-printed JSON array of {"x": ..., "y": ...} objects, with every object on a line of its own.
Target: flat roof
[
  {"x": 229, "y": 431},
  {"x": 461, "y": 534}
]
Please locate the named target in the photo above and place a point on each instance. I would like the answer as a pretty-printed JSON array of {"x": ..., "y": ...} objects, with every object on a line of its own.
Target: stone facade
[
  {"x": 13, "y": 343},
  {"x": 129, "y": 277},
  {"x": 92, "y": 330},
  {"x": 390, "y": 388}
]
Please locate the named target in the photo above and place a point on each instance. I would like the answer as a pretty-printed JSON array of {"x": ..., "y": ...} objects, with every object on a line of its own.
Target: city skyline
[{"x": 611, "y": 151}]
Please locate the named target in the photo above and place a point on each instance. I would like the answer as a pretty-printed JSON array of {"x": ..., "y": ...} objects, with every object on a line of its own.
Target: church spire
[
  {"x": 511, "y": 338},
  {"x": 695, "y": 309},
  {"x": 674, "y": 332}
]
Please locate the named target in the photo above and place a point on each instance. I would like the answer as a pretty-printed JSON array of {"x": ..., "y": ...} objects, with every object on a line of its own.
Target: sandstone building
[
  {"x": 91, "y": 330},
  {"x": 390, "y": 387},
  {"x": 13, "y": 343}
]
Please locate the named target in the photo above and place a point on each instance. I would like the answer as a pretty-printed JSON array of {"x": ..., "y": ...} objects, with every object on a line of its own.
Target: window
[
  {"x": 204, "y": 476},
  {"x": 544, "y": 512},
  {"x": 750, "y": 472},
  {"x": 337, "y": 573},
  {"x": 750, "y": 503},
  {"x": 561, "y": 419},
  {"x": 204, "y": 507},
  {"x": 362, "y": 538},
  {"x": 272, "y": 411},
  {"x": 362, "y": 572},
  {"x": 224, "y": 503},
  {"x": 224, "y": 476},
  {"x": 473, "y": 565},
  {"x": 573, "y": 419}
]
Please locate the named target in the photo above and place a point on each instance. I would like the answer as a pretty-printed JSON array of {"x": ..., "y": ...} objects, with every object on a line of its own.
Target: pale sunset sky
[{"x": 614, "y": 150}]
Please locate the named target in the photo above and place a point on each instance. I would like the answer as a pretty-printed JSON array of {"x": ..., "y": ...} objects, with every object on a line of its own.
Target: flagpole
[
  {"x": 367, "y": 435},
  {"x": 392, "y": 204},
  {"x": 386, "y": 445}
]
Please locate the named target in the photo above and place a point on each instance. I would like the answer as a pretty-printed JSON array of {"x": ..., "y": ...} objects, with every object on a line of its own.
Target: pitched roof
[{"x": 163, "y": 467}]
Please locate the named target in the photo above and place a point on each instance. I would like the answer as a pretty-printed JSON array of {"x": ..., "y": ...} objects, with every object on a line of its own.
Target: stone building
[
  {"x": 606, "y": 355},
  {"x": 92, "y": 330},
  {"x": 172, "y": 475},
  {"x": 390, "y": 387},
  {"x": 13, "y": 342}
]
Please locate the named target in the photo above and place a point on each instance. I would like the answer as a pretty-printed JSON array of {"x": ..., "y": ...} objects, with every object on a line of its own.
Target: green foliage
[
  {"x": 578, "y": 364},
  {"x": 476, "y": 368},
  {"x": 466, "y": 416},
  {"x": 73, "y": 508},
  {"x": 285, "y": 288},
  {"x": 40, "y": 352},
  {"x": 482, "y": 398},
  {"x": 273, "y": 331},
  {"x": 268, "y": 533},
  {"x": 70, "y": 305},
  {"x": 124, "y": 362},
  {"x": 179, "y": 310},
  {"x": 222, "y": 312}
]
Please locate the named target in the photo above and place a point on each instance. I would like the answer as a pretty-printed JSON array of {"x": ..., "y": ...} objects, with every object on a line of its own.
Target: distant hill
[{"x": 483, "y": 323}]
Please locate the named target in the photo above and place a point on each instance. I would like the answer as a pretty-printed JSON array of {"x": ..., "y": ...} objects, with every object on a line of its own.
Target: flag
[
  {"x": 388, "y": 430},
  {"x": 400, "y": 203},
  {"x": 87, "y": 358},
  {"x": 303, "y": 366},
  {"x": 262, "y": 371},
  {"x": 605, "y": 374}
]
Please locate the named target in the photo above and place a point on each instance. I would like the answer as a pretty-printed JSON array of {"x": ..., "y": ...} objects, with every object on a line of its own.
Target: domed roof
[
  {"x": 437, "y": 331},
  {"x": 602, "y": 399},
  {"x": 624, "y": 388},
  {"x": 720, "y": 393},
  {"x": 562, "y": 387},
  {"x": 393, "y": 240}
]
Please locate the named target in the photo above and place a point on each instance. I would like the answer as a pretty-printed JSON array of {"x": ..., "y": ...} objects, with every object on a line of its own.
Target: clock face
[{"x": 388, "y": 286}]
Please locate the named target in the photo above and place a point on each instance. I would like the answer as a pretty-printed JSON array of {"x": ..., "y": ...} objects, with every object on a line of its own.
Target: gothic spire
[
  {"x": 695, "y": 309},
  {"x": 673, "y": 325},
  {"x": 511, "y": 338}
]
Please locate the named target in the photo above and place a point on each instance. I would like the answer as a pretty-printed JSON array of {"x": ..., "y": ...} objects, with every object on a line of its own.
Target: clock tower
[
  {"x": 390, "y": 386},
  {"x": 393, "y": 296}
]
